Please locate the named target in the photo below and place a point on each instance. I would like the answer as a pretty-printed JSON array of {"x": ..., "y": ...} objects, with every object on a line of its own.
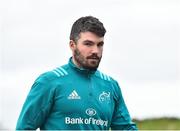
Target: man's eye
[
  {"x": 87, "y": 43},
  {"x": 100, "y": 44}
]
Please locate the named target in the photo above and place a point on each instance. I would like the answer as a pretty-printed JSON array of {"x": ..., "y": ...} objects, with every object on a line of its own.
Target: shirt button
[{"x": 90, "y": 94}]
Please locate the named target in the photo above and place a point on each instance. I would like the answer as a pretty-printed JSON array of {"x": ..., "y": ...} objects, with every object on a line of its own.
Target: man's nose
[{"x": 95, "y": 50}]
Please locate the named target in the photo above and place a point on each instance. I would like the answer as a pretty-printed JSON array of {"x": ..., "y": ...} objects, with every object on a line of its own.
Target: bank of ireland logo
[
  {"x": 90, "y": 112},
  {"x": 104, "y": 97}
]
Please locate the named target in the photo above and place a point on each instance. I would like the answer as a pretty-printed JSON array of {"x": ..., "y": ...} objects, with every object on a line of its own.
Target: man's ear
[{"x": 72, "y": 45}]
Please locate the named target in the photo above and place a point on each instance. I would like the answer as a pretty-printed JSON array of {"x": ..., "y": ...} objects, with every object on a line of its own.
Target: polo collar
[{"x": 81, "y": 70}]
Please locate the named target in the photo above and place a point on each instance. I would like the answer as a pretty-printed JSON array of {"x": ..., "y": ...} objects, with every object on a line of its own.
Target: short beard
[{"x": 82, "y": 61}]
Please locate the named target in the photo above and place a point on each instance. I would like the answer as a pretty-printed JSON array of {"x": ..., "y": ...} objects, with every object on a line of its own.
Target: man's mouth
[{"x": 94, "y": 58}]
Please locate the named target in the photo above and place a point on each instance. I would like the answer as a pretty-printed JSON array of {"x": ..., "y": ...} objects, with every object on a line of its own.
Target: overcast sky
[{"x": 141, "y": 50}]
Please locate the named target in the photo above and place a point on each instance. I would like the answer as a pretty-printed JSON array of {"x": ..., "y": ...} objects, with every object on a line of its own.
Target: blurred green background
[{"x": 163, "y": 123}]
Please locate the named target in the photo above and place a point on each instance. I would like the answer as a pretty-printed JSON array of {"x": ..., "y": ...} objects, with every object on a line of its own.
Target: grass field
[{"x": 158, "y": 124}]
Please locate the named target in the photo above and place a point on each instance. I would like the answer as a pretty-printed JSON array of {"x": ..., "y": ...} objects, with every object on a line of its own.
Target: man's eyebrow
[{"x": 89, "y": 41}]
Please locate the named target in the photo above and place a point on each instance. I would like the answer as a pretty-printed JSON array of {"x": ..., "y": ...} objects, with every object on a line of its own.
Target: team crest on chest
[{"x": 104, "y": 97}]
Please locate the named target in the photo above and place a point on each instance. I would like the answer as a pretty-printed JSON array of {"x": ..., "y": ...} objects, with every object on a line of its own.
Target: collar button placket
[{"x": 90, "y": 93}]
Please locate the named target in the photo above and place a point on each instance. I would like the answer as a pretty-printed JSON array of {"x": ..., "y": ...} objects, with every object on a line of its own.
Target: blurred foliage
[
  {"x": 153, "y": 124},
  {"x": 158, "y": 124}
]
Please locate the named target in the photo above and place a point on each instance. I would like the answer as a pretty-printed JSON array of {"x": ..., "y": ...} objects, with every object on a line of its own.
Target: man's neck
[{"x": 75, "y": 63}]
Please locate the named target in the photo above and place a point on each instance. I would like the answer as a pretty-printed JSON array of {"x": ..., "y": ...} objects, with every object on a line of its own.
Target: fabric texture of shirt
[{"x": 71, "y": 98}]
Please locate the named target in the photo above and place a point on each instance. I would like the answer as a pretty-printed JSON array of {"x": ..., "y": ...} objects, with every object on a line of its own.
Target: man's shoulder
[
  {"x": 104, "y": 76},
  {"x": 54, "y": 74}
]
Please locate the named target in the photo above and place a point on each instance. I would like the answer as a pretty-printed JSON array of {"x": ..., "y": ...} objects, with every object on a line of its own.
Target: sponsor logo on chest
[
  {"x": 87, "y": 121},
  {"x": 74, "y": 95}
]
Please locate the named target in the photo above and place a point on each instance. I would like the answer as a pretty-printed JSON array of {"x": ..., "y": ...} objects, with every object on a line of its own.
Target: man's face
[{"x": 87, "y": 51}]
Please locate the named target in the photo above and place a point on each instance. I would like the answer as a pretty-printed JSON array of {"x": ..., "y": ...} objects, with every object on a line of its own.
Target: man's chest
[{"x": 84, "y": 99}]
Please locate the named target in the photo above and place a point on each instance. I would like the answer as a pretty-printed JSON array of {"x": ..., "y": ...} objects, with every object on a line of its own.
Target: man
[{"x": 77, "y": 96}]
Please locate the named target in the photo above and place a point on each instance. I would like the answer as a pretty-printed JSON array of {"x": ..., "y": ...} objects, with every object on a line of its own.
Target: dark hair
[{"x": 87, "y": 23}]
